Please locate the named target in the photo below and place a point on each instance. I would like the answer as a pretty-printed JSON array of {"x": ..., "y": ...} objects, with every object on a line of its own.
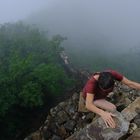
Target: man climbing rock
[{"x": 96, "y": 90}]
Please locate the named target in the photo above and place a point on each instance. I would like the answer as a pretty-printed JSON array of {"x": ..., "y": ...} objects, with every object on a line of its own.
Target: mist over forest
[
  {"x": 100, "y": 34},
  {"x": 95, "y": 34}
]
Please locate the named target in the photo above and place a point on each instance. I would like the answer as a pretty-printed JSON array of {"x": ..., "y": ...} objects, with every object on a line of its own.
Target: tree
[{"x": 30, "y": 68}]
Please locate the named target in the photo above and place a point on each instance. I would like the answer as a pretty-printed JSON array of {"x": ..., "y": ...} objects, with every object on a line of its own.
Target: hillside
[
  {"x": 33, "y": 78},
  {"x": 64, "y": 121}
]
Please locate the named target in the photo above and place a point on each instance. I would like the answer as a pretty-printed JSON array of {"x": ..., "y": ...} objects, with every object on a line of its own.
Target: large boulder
[
  {"x": 65, "y": 121},
  {"x": 97, "y": 130},
  {"x": 135, "y": 135}
]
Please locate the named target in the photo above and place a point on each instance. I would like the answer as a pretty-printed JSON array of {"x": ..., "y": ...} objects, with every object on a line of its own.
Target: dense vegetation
[{"x": 30, "y": 74}]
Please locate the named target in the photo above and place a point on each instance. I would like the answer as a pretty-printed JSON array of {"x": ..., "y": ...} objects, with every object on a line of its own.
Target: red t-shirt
[{"x": 92, "y": 86}]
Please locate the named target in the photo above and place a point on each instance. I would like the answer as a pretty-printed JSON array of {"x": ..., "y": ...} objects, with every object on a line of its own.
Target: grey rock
[
  {"x": 135, "y": 135},
  {"x": 97, "y": 130},
  {"x": 137, "y": 120},
  {"x": 62, "y": 117},
  {"x": 132, "y": 128},
  {"x": 56, "y": 138},
  {"x": 69, "y": 125},
  {"x": 130, "y": 112}
]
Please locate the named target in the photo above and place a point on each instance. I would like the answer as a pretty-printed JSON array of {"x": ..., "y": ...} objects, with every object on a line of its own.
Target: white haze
[
  {"x": 15, "y": 10},
  {"x": 113, "y": 24},
  {"x": 86, "y": 23}
]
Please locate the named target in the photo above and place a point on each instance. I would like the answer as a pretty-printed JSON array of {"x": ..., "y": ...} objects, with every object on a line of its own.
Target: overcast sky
[
  {"x": 13, "y": 10},
  {"x": 117, "y": 21}
]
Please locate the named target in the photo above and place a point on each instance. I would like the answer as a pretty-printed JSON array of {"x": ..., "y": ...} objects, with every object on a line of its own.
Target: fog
[
  {"x": 111, "y": 24},
  {"x": 15, "y": 10},
  {"x": 86, "y": 23}
]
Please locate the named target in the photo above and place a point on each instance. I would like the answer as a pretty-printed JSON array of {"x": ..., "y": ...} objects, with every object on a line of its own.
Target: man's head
[{"x": 106, "y": 80}]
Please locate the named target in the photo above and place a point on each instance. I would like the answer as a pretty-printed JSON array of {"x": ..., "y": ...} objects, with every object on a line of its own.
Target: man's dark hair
[{"x": 106, "y": 80}]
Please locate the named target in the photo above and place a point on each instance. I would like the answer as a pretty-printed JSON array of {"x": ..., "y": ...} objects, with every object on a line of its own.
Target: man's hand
[{"x": 107, "y": 117}]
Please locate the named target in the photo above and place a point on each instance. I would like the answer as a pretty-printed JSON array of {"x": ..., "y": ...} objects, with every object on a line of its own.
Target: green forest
[
  {"x": 31, "y": 74},
  {"x": 36, "y": 36}
]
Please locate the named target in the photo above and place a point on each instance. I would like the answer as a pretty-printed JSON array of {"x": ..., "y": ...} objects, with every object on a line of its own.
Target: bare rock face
[
  {"x": 65, "y": 121},
  {"x": 97, "y": 130},
  {"x": 135, "y": 135},
  {"x": 131, "y": 111}
]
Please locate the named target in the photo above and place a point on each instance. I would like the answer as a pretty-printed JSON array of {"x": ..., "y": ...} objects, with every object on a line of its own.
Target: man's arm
[
  {"x": 130, "y": 83},
  {"x": 106, "y": 116},
  {"x": 90, "y": 106}
]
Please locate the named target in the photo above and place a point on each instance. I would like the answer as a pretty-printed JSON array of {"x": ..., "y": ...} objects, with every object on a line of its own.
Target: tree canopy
[{"x": 30, "y": 69}]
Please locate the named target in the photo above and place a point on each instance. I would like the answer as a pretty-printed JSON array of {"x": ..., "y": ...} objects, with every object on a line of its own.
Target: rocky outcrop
[
  {"x": 135, "y": 135},
  {"x": 98, "y": 131},
  {"x": 65, "y": 122}
]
